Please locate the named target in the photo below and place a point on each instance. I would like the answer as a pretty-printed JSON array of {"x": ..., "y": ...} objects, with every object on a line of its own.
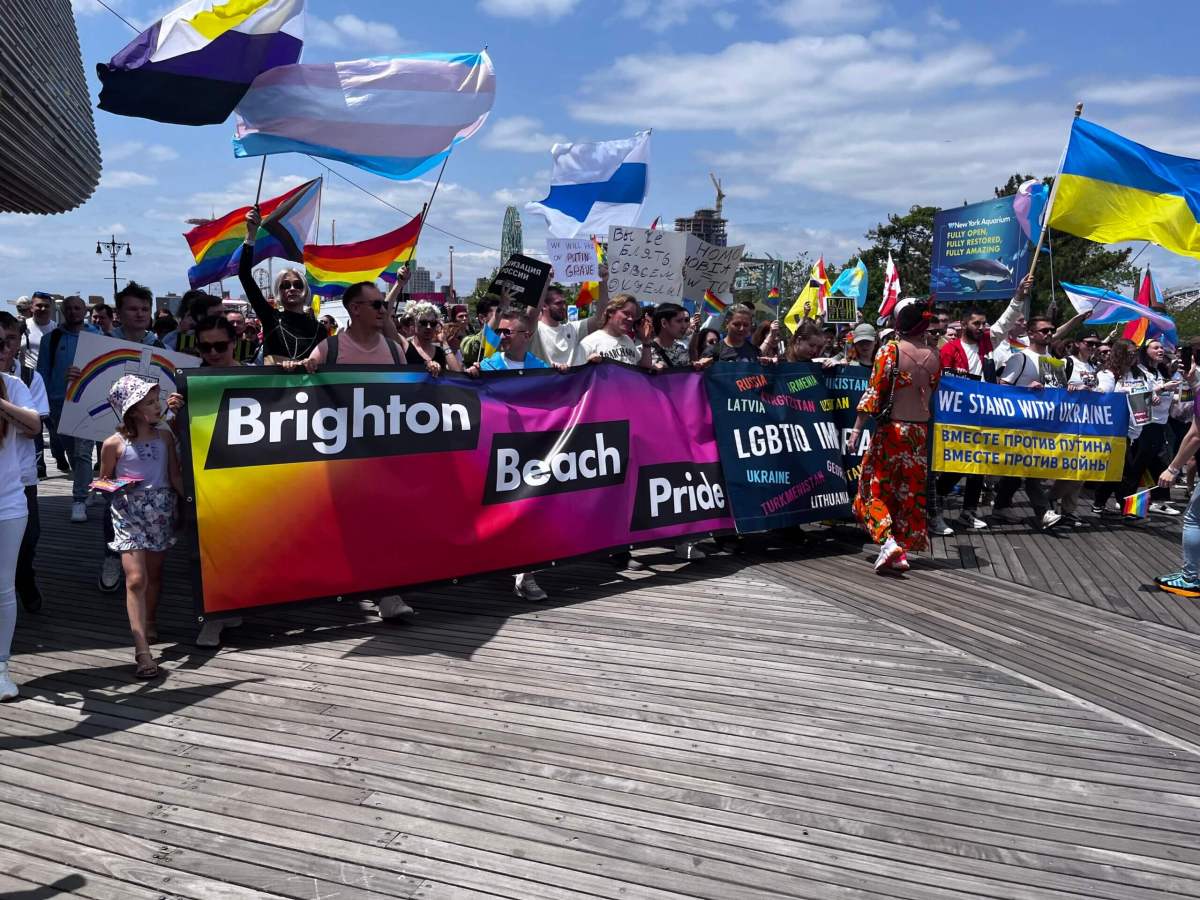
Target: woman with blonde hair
[{"x": 423, "y": 349}]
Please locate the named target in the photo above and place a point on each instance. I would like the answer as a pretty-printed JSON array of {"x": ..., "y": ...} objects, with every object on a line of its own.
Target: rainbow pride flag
[
  {"x": 589, "y": 291},
  {"x": 332, "y": 268},
  {"x": 713, "y": 303},
  {"x": 773, "y": 297},
  {"x": 1136, "y": 504},
  {"x": 289, "y": 222}
]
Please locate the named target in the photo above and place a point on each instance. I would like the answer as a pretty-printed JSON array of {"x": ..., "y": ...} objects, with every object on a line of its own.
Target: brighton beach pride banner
[
  {"x": 995, "y": 429},
  {"x": 780, "y": 445},
  {"x": 357, "y": 480}
]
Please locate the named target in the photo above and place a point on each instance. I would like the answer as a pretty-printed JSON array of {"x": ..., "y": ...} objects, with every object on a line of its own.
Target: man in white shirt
[
  {"x": 556, "y": 340},
  {"x": 1031, "y": 367},
  {"x": 37, "y": 327}
]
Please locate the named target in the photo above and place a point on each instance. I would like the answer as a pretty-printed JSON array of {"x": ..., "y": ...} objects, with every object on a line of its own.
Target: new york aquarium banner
[
  {"x": 781, "y": 448},
  {"x": 994, "y": 429},
  {"x": 979, "y": 252},
  {"x": 357, "y": 480}
]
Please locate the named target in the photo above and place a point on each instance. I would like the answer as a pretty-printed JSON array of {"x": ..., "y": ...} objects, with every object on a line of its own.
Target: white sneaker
[
  {"x": 393, "y": 606},
  {"x": 968, "y": 521},
  {"x": 1163, "y": 510},
  {"x": 1049, "y": 519},
  {"x": 527, "y": 589},
  {"x": 939, "y": 527},
  {"x": 8, "y": 688},
  {"x": 210, "y": 631},
  {"x": 78, "y": 511},
  {"x": 888, "y": 554},
  {"x": 689, "y": 551}
]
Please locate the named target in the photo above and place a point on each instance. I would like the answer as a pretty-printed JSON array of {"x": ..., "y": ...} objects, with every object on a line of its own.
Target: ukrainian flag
[{"x": 1112, "y": 190}]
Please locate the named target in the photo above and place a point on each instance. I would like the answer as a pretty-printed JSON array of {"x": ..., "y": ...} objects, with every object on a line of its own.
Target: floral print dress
[{"x": 891, "y": 488}]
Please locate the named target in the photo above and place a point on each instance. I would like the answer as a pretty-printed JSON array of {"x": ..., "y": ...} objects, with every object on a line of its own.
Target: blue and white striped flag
[{"x": 595, "y": 185}]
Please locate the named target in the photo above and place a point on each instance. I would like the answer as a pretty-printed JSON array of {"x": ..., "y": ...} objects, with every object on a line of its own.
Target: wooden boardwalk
[{"x": 778, "y": 724}]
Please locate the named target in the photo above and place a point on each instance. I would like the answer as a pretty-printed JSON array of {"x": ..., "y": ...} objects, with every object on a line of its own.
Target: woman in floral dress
[{"x": 891, "y": 490}]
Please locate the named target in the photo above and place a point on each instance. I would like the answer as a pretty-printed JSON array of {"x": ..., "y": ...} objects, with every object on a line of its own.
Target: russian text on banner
[
  {"x": 391, "y": 478},
  {"x": 995, "y": 429},
  {"x": 781, "y": 449}
]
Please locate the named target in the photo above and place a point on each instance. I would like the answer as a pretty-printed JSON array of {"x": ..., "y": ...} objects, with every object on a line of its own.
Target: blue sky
[{"x": 820, "y": 116}]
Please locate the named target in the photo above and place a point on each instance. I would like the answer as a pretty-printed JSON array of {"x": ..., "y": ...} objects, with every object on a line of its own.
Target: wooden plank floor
[
  {"x": 777, "y": 724},
  {"x": 1106, "y": 563}
]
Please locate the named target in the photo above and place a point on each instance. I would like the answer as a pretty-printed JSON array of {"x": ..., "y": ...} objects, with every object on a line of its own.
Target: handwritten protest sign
[
  {"x": 708, "y": 267},
  {"x": 101, "y": 361},
  {"x": 574, "y": 259},
  {"x": 523, "y": 277},
  {"x": 646, "y": 263}
]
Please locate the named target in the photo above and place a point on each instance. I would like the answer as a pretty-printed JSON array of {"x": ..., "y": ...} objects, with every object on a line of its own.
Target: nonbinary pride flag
[
  {"x": 1112, "y": 189},
  {"x": 595, "y": 185},
  {"x": 289, "y": 223},
  {"x": 332, "y": 268},
  {"x": 396, "y": 116},
  {"x": 193, "y": 65}
]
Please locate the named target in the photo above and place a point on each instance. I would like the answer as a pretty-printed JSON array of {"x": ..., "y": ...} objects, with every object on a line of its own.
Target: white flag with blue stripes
[{"x": 596, "y": 185}]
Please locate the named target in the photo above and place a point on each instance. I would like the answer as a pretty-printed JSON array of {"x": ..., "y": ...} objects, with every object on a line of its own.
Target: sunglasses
[
  {"x": 428, "y": 324},
  {"x": 935, "y": 331},
  {"x": 1091, "y": 343},
  {"x": 215, "y": 347},
  {"x": 286, "y": 285},
  {"x": 505, "y": 332},
  {"x": 374, "y": 304}
]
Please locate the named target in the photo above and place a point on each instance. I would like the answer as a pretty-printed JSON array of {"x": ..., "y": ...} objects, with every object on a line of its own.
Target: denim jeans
[
  {"x": 1191, "y": 537},
  {"x": 79, "y": 451}
]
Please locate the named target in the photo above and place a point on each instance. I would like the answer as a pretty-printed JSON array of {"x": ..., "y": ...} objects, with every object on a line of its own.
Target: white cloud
[
  {"x": 935, "y": 17},
  {"x": 520, "y": 134},
  {"x": 348, "y": 30},
  {"x": 528, "y": 9},
  {"x": 120, "y": 178},
  {"x": 808, "y": 13},
  {"x": 659, "y": 15},
  {"x": 1141, "y": 92},
  {"x": 724, "y": 19},
  {"x": 130, "y": 149},
  {"x": 10, "y": 251}
]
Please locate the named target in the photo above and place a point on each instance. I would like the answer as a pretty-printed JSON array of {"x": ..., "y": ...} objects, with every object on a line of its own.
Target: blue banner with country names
[{"x": 996, "y": 429}]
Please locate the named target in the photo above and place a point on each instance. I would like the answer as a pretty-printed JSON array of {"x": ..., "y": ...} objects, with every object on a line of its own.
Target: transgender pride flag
[{"x": 396, "y": 116}]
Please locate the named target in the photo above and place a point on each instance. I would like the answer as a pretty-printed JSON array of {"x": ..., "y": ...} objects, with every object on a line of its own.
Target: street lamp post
[
  {"x": 452, "y": 294},
  {"x": 113, "y": 248}
]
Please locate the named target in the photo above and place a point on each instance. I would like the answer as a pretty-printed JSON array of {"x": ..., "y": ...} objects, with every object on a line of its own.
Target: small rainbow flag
[
  {"x": 334, "y": 267},
  {"x": 713, "y": 303},
  {"x": 599, "y": 248},
  {"x": 773, "y": 297},
  {"x": 589, "y": 291},
  {"x": 288, "y": 223},
  {"x": 1136, "y": 504}
]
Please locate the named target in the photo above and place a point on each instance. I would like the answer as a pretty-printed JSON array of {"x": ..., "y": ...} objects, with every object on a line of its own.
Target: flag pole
[
  {"x": 1037, "y": 251},
  {"x": 425, "y": 209},
  {"x": 261, "y": 172}
]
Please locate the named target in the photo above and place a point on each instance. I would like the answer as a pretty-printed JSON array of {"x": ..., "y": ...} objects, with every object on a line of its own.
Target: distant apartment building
[
  {"x": 420, "y": 282},
  {"x": 706, "y": 224}
]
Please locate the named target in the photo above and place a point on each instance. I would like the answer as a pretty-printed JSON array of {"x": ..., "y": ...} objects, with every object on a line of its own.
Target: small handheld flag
[
  {"x": 891, "y": 289},
  {"x": 713, "y": 303},
  {"x": 773, "y": 297},
  {"x": 1136, "y": 504}
]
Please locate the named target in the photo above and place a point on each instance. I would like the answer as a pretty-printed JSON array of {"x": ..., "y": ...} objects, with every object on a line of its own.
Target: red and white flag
[{"x": 891, "y": 288}]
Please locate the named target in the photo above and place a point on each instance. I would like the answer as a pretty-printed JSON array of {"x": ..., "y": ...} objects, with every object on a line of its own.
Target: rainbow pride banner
[
  {"x": 389, "y": 478},
  {"x": 996, "y": 429},
  {"x": 101, "y": 361},
  {"x": 332, "y": 268}
]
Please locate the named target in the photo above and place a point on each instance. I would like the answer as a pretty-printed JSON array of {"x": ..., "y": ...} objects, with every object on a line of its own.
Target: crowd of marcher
[{"x": 899, "y": 502}]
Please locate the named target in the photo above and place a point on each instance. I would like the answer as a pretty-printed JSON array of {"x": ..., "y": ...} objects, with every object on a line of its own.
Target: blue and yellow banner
[{"x": 995, "y": 429}]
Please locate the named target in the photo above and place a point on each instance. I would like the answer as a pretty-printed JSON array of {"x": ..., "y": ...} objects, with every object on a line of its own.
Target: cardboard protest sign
[
  {"x": 647, "y": 263},
  {"x": 840, "y": 310},
  {"x": 708, "y": 267},
  {"x": 524, "y": 278},
  {"x": 979, "y": 252},
  {"x": 574, "y": 259},
  {"x": 101, "y": 361}
]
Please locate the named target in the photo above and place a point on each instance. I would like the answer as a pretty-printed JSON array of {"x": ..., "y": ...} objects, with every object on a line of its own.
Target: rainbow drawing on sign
[{"x": 119, "y": 357}]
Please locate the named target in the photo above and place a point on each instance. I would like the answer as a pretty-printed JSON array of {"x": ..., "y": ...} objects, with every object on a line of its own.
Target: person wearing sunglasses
[
  {"x": 363, "y": 342},
  {"x": 216, "y": 342},
  {"x": 289, "y": 333},
  {"x": 423, "y": 349}
]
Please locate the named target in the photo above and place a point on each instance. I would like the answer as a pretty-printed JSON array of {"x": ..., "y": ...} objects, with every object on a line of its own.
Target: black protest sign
[
  {"x": 523, "y": 277},
  {"x": 840, "y": 310},
  {"x": 779, "y": 443}
]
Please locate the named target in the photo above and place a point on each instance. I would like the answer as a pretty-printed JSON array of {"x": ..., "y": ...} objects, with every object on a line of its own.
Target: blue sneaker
[{"x": 1179, "y": 585}]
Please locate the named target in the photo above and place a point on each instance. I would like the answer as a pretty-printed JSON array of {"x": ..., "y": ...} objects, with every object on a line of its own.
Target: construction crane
[{"x": 720, "y": 193}]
